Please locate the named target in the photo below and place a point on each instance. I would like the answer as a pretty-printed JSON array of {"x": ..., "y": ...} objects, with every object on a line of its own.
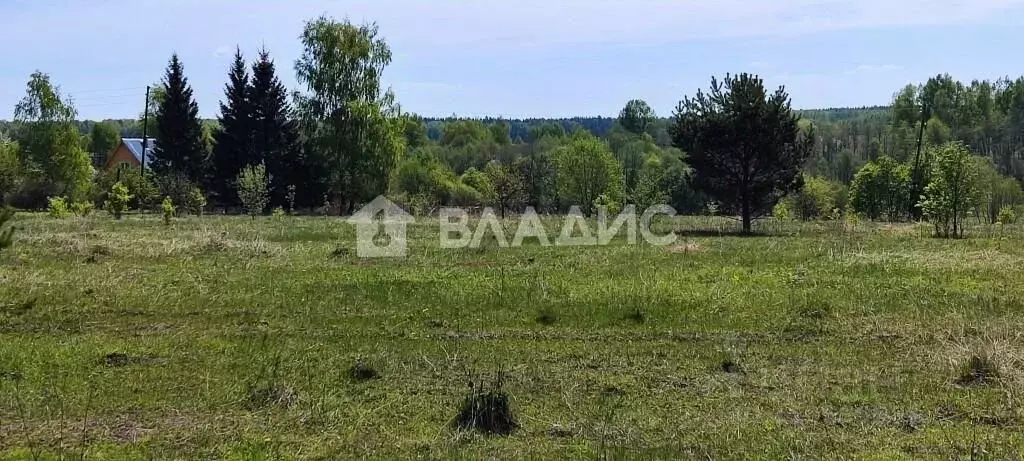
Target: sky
[{"x": 522, "y": 58}]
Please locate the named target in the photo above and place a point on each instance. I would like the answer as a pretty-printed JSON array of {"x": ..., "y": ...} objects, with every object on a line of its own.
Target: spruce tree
[
  {"x": 276, "y": 137},
  {"x": 234, "y": 140},
  {"x": 180, "y": 150}
]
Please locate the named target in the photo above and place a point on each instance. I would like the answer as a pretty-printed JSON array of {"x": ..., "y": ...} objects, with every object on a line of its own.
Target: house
[{"x": 129, "y": 153}]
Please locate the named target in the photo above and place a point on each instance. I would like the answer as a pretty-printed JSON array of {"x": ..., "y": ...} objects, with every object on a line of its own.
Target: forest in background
[{"x": 736, "y": 149}]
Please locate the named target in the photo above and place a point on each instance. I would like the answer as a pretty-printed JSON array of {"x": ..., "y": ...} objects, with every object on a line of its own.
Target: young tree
[
  {"x": 508, "y": 186},
  {"x": 587, "y": 170},
  {"x": 745, "y": 146},
  {"x": 179, "y": 131},
  {"x": 352, "y": 126},
  {"x": 233, "y": 148},
  {"x": 275, "y": 134},
  {"x": 117, "y": 200},
  {"x": 636, "y": 117},
  {"x": 253, "y": 184},
  {"x": 952, "y": 191},
  {"x": 49, "y": 140},
  {"x": 538, "y": 171}
]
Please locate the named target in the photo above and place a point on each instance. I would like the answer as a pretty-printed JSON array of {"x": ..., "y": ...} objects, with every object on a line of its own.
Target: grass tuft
[
  {"x": 362, "y": 371},
  {"x": 547, "y": 316},
  {"x": 487, "y": 410},
  {"x": 116, "y": 359},
  {"x": 270, "y": 396},
  {"x": 979, "y": 370},
  {"x": 637, "y": 316},
  {"x": 731, "y": 367}
]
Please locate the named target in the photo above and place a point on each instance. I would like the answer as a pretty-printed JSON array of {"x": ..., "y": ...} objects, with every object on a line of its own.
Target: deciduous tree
[
  {"x": 350, "y": 123},
  {"x": 952, "y": 190},
  {"x": 636, "y": 117},
  {"x": 508, "y": 186},
  {"x": 51, "y": 149},
  {"x": 586, "y": 170}
]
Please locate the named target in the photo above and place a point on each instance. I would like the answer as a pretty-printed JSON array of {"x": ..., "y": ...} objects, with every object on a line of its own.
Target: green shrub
[
  {"x": 783, "y": 210},
  {"x": 1006, "y": 215},
  {"x": 117, "y": 200},
  {"x": 144, "y": 191},
  {"x": 57, "y": 207},
  {"x": 465, "y": 195},
  {"x": 881, "y": 190},
  {"x": 196, "y": 202},
  {"x": 253, "y": 189},
  {"x": 278, "y": 212},
  {"x": 168, "y": 208},
  {"x": 815, "y": 200},
  {"x": 82, "y": 209},
  {"x": 481, "y": 183}
]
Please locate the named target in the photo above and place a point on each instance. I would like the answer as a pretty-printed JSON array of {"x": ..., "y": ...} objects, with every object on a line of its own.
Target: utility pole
[{"x": 145, "y": 135}]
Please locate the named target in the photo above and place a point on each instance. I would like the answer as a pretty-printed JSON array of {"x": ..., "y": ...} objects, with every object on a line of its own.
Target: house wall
[{"x": 121, "y": 155}]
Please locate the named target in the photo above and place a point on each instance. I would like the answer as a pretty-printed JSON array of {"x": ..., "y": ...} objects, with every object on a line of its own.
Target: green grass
[{"x": 231, "y": 338}]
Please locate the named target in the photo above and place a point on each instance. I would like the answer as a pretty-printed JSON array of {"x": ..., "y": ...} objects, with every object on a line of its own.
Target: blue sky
[{"x": 520, "y": 58}]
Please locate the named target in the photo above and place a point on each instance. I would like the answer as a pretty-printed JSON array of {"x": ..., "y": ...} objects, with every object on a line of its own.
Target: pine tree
[
  {"x": 276, "y": 138},
  {"x": 179, "y": 135},
  {"x": 234, "y": 140}
]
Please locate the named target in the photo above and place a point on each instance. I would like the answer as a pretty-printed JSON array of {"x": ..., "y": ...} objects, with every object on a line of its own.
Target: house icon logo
[{"x": 379, "y": 214}]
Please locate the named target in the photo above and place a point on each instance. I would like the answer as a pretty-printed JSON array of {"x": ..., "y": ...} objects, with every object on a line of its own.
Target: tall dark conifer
[
  {"x": 234, "y": 140},
  {"x": 276, "y": 137},
  {"x": 180, "y": 150},
  {"x": 744, "y": 144}
]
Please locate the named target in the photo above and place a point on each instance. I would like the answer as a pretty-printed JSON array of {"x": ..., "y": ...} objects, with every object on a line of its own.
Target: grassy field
[{"x": 230, "y": 338}]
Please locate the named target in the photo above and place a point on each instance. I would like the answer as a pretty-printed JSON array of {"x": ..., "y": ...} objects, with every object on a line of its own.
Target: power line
[
  {"x": 102, "y": 104},
  {"x": 107, "y": 98},
  {"x": 111, "y": 90}
]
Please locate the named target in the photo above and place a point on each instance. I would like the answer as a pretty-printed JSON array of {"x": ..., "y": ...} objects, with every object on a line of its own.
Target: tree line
[{"x": 735, "y": 149}]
